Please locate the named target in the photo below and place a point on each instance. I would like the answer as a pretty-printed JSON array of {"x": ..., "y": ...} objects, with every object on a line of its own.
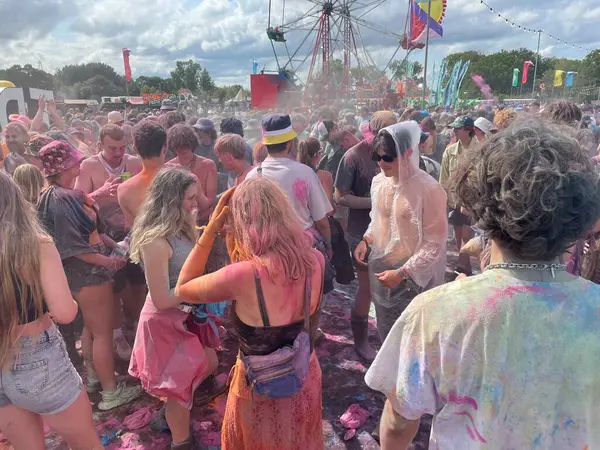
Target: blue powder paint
[
  {"x": 414, "y": 374},
  {"x": 569, "y": 422},
  {"x": 554, "y": 429},
  {"x": 537, "y": 441}
]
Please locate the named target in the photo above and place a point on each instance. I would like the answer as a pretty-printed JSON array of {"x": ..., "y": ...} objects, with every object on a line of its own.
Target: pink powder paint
[
  {"x": 300, "y": 189},
  {"x": 458, "y": 400},
  {"x": 473, "y": 432},
  {"x": 493, "y": 302}
]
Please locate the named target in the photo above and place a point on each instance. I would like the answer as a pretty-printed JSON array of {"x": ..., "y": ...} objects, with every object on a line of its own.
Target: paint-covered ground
[{"x": 343, "y": 385}]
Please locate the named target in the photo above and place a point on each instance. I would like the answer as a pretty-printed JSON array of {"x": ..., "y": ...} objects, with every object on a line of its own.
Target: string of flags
[{"x": 531, "y": 30}]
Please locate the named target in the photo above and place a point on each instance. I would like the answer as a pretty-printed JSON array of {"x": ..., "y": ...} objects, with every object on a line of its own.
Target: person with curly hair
[{"x": 508, "y": 358}]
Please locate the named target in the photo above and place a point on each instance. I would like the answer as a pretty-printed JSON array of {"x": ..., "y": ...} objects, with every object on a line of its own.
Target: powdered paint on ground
[{"x": 343, "y": 385}]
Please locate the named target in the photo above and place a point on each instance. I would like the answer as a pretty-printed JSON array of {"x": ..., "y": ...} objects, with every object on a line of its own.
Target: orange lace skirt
[{"x": 264, "y": 424}]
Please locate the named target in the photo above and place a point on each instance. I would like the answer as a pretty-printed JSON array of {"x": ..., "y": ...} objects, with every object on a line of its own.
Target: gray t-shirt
[{"x": 355, "y": 174}]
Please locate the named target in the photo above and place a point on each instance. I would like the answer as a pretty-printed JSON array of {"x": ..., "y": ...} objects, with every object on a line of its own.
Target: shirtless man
[
  {"x": 102, "y": 173},
  {"x": 181, "y": 140},
  {"x": 150, "y": 142},
  {"x": 99, "y": 177}
]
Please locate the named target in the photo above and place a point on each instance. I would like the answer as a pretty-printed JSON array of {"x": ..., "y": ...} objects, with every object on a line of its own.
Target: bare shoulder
[
  {"x": 172, "y": 163},
  {"x": 133, "y": 161},
  {"x": 47, "y": 249},
  {"x": 90, "y": 163},
  {"x": 206, "y": 164}
]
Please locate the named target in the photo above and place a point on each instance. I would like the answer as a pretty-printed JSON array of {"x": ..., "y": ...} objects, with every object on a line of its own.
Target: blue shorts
[{"x": 41, "y": 378}]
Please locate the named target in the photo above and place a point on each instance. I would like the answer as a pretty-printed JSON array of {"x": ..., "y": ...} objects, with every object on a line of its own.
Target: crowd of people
[{"x": 160, "y": 223}]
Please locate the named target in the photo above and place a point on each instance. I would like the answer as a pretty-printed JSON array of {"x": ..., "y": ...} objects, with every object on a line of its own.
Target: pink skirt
[{"x": 169, "y": 360}]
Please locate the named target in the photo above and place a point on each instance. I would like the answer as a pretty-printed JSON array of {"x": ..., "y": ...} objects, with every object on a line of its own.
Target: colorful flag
[
  {"x": 254, "y": 66},
  {"x": 126, "y": 53},
  {"x": 419, "y": 19},
  {"x": 515, "y": 81},
  {"x": 558, "y": 78},
  {"x": 569, "y": 80},
  {"x": 526, "y": 66}
]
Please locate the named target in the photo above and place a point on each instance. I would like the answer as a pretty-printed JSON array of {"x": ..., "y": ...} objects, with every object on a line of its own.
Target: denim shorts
[{"x": 42, "y": 378}]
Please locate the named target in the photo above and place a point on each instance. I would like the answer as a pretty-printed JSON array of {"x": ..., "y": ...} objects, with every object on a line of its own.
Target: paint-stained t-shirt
[
  {"x": 301, "y": 185},
  {"x": 501, "y": 363}
]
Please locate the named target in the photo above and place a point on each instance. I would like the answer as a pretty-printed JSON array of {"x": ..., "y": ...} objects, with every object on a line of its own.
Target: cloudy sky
[{"x": 226, "y": 35}]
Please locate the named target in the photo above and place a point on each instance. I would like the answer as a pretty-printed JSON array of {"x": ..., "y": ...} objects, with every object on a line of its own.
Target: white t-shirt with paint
[
  {"x": 301, "y": 185},
  {"x": 501, "y": 363}
]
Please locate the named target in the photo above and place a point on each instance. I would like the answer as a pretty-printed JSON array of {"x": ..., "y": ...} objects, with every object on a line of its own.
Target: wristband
[
  {"x": 365, "y": 241},
  {"x": 402, "y": 271}
]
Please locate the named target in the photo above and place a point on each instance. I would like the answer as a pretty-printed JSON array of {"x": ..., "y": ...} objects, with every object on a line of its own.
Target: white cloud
[{"x": 225, "y": 35}]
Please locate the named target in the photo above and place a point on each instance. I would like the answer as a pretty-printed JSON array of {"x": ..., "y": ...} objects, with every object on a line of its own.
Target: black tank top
[
  {"x": 267, "y": 339},
  {"x": 30, "y": 313}
]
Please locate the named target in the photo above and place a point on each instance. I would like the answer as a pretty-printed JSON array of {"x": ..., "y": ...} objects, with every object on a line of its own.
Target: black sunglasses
[{"x": 386, "y": 158}]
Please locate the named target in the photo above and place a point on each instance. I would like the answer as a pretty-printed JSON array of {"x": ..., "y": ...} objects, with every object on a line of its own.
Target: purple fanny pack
[{"x": 280, "y": 374}]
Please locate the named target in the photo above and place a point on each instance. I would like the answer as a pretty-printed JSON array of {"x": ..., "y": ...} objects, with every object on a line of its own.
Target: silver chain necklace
[{"x": 539, "y": 267}]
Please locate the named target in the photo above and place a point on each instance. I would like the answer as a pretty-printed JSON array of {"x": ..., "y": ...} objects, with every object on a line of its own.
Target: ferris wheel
[{"x": 323, "y": 47}]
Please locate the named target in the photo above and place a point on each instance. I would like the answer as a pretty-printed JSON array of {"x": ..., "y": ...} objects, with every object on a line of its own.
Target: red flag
[
  {"x": 126, "y": 53},
  {"x": 526, "y": 66}
]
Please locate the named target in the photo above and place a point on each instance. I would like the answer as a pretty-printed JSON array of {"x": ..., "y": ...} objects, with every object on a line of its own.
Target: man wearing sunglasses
[
  {"x": 353, "y": 190},
  {"x": 408, "y": 229}
]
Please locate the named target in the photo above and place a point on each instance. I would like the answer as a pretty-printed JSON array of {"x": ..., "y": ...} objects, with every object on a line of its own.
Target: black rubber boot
[{"x": 360, "y": 332}]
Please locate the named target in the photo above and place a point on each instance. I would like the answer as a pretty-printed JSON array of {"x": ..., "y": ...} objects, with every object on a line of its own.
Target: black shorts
[
  {"x": 353, "y": 242},
  {"x": 456, "y": 218},
  {"x": 132, "y": 273}
]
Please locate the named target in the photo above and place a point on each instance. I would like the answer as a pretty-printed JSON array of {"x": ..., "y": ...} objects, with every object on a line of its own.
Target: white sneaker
[
  {"x": 120, "y": 396},
  {"x": 122, "y": 347}
]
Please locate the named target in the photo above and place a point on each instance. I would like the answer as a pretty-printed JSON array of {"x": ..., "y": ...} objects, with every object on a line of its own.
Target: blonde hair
[
  {"x": 20, "y": 238},
  {"x": 31, "y": 182},
  {"x": 162, "y": 214},
  {"x": 504, "y": 118},
  {"x": 232, "y": 144},
  {"x": 267, "y": 231}
]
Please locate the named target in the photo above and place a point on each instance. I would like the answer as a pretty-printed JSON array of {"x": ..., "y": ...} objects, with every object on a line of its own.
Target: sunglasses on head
[{"x": 386, "y": 158}]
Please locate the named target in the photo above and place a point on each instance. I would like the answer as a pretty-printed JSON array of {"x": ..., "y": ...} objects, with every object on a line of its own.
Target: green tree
[
  {"x": 206, "y": 83},
  {"x": 497, "y": 69},
  {"x": 98, "y": 86},
  {"x": 27, "y": 76},
  {"x": 187, "y": 74},
  {"x": 400, "y": 68},
  {"x": 150, "y": 85}
]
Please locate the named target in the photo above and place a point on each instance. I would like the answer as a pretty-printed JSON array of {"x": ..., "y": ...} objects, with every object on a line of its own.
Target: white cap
[
  {"x": 485, "y": 125},
  {"x": 115, "y": 117}
]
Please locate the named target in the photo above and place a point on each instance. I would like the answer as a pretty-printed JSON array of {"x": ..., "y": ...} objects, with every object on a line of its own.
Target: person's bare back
[
  {"x": 132, "y": 194},
  {"x": 206, "y": 171}
]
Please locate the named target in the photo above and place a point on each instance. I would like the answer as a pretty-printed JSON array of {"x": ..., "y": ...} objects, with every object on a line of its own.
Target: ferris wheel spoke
[
  {"x": 370, "y": 4},
  {"x": 303, "y": 41},
  {"x": 375, "y": 5},
  {"x": 310, "y": 13}
]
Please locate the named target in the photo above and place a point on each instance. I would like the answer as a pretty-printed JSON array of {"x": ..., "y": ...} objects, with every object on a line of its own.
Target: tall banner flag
[
  {"x": 254, "y": 66},
  {"x": 515, "y": 81},
  {"x": 558, "y": 78},
  {"x": 448, "y": 92},
  {"x": 461, "y": 77},
  {"x": 569, "y": 80},
  {"x": 441, "y": 76},
  {"x": 526, "y": 66},
  {"x": 126, "y": 53}
]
